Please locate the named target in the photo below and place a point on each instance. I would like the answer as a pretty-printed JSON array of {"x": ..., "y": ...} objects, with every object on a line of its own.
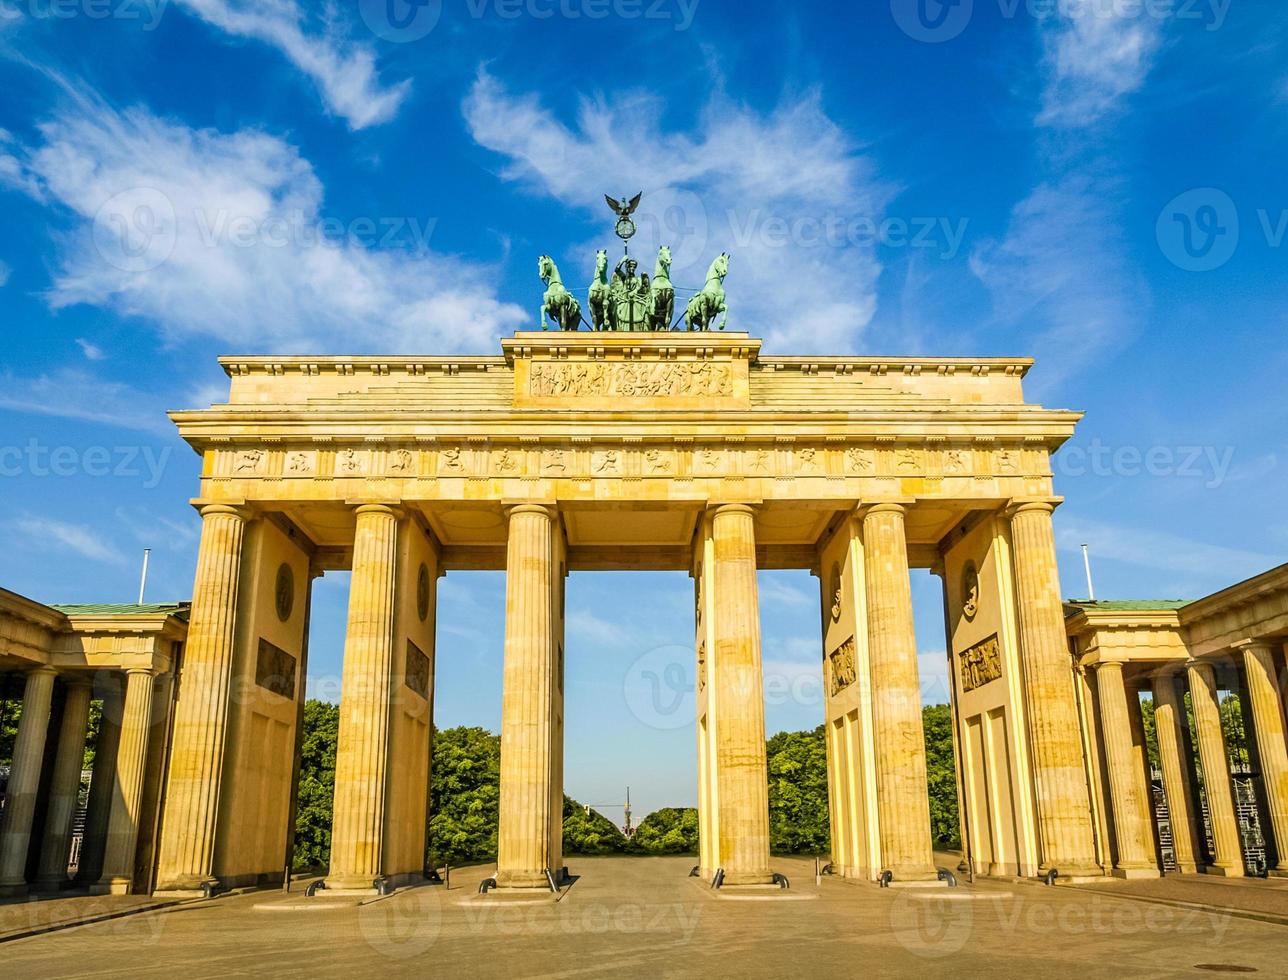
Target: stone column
[
  {"x": 1268, "y": 723},
  {"x": 1172, "y": 729},
  {"x": 64, "y": 788},
  {"x": 1132, "y": 831},
  {"x": 201, "y": 712},
  {"x": 102, "y": 785},
  {"x": 127, "y": 802},
  {"x": 903, "y": 805},
  {"x": 1228, "y": 859},
  {"x": 1063, "y": 801},
  {"x": 361, "y": 763},
  {"x": 527, "y": 769},
  {"x": 742, "y": 779},
  {"x": 24, "y": 780}
]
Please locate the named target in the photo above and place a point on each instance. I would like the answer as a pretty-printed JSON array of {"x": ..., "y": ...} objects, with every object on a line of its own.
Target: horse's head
[
  {"x": 601, "y": 263},
  {"x": 664, "y": 259},
  {"x": 720, "y": 267},
  {"x": 544, "y": 265}
]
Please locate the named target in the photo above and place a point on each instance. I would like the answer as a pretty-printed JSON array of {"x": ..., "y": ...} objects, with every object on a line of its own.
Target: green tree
[
  {"x": 941, "y": 775},
  {"x": 670, "y": 830},
  {"x": 798, "y": 811},
  {"x": 589, "y": 833},
  {"x": 465, "y": 796},
  {"x": 317, "y": 786}
]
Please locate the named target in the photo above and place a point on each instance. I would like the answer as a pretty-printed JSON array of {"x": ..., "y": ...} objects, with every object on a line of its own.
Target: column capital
[
  {"x": 44, "y": 670},
  {"x": 78, "y": 680},
  {"x": 546, "y": 510},
  {"x": 375, "y": 508},
  {"x": 882, "y": 507},
  {"x": 738, "y": 508},
  {"x": 228, "y": 510},
  {"x": 1114, "y": 664},
  {"x": 1254, "y": 646},
  {"x": 1045, "y": 505},
  {"x": 150, "y": 671}
]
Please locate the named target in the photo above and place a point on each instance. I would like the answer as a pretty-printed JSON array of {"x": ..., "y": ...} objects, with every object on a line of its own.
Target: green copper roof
[
  {"x": 125, "y": 609},
  {"x": 1126, "y": 605}
]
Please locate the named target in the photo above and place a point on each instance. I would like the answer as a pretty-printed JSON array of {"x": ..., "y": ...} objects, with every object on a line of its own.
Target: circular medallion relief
[
  {"x": 422, "y": 592},
  {"x": 970, "y": 591},
  {"x": 836, "y": 592},
  {"x": 284, "y": 592}
]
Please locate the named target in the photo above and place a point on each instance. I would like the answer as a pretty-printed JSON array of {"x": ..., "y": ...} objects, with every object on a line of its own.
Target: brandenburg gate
[{"x": 625, "y": 450}]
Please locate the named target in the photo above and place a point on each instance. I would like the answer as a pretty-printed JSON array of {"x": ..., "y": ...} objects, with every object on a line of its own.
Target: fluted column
[
  {"x": 1171, "y": 728},
  {"x": 361, "y": 763},
  {"x": 201, "y": 712},
  {"x": 1268, "y": 723},
  {"x": 102, "y": 784},
  {"x": 1228, "y": 859},
  {"x": 24, "y": 779},
  {"x": 1132, "y": 831},
  {"x": 903, "y": 804},
  {"x": 741, "y": 769},
  {"x": 127, "y": 802},
  {"x": 1055, "y": 744},
  {"x": 527, "y": 769},
  {"x": 64, "y": 788}
]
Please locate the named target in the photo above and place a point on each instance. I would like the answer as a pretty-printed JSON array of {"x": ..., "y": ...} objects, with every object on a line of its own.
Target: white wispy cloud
[
  {"x": 1061, "y": 269},
  {"x": 761, "y": 186},
  {"x": 5, "y": 272},
  {"x": 75, "y": 394},
  {"x": 1059, "y": 275},
  {"x": 1095, "y": 55},
  {"x": 224, "y": 235},
  {"x": 343, "y": 70},
  {"x": 85, "y": 541},
  {"x": 90, "y": 349},
  {"x": 1161, "y": 550}
]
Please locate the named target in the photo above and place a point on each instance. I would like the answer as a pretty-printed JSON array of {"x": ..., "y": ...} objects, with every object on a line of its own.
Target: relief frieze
[{"x": 630, "y": 380}]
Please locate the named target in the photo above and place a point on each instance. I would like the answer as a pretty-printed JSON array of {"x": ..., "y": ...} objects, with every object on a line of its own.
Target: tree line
[{"x": 465, "y": 797}]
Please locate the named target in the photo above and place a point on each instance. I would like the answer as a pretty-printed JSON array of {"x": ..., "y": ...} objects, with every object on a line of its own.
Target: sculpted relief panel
[
  {"x": 980, "y": 664},
  {"x": 630, "y": 380},
  {"x": 580, "y": 459}
]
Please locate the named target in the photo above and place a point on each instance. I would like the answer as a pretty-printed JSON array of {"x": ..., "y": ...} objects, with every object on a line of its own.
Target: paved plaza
[{"x": 635, "y": 917}]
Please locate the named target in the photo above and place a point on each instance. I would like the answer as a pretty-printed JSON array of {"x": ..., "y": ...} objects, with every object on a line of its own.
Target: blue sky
[{"x": 1097, "y": 184}]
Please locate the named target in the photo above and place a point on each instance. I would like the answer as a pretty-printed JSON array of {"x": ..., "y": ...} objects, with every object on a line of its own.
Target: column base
[
  {"x": 14, "y": 890},
  {"x": 532, "y": 880},
  {"x": 734, "y": 879},
  {"x": 1135, "y": 874},
  {"x": 49, "y": 886},
  {"x": 1277, "y": 873},
  {"x": 1221, "y": 871},
  {"x": 1078, "y": 871},
  {"x": 116, "y": 885},
  {"x": 187, "y": 886}
]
